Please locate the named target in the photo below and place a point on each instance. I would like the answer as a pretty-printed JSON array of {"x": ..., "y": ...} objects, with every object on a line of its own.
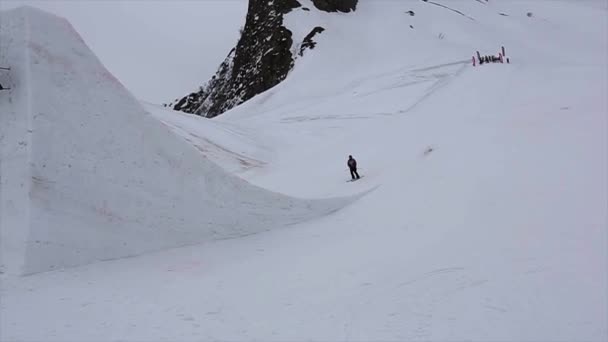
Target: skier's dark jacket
[{"x": 352, "y": 163}]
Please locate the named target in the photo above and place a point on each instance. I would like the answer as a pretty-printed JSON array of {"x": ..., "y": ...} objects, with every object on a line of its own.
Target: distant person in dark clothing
[{"x": 352, "y": 165}]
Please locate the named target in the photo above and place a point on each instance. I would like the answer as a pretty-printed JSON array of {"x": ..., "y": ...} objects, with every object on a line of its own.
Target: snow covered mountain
[
  {"x": 277, "y": 34},
  {"x": 481, "y": 215},
  {"x": 262, "y": 58}
]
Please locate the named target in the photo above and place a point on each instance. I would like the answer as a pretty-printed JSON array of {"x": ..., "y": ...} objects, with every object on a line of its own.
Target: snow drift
[{"x": 88, "y": 175}]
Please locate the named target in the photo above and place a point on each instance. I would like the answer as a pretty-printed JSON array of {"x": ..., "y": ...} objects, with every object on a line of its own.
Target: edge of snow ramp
[{"x": 88, "y": 175}]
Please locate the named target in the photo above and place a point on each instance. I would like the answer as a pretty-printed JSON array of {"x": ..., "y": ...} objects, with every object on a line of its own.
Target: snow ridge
[{"x": 98, "y": 177}]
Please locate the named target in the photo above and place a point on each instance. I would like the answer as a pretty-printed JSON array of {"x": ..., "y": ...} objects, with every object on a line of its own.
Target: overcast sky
[{"x": 159, "y": 49}]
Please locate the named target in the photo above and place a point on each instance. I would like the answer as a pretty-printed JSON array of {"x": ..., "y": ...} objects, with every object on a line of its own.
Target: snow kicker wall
[{"x": 87, "y": 174}]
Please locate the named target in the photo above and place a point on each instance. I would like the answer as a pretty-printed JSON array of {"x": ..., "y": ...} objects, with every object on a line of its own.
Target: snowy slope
[
  {"x": 88, "y": 175},
  {"x": 488, "y": 221},
  {"x": 233, "y": 147}
]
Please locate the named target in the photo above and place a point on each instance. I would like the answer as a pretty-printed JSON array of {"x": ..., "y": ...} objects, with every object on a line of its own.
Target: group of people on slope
[{"x": 491, "y": 59}]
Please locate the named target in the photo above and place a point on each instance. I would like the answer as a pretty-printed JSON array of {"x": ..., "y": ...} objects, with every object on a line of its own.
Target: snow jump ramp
[{"x": 88, "y": 175}]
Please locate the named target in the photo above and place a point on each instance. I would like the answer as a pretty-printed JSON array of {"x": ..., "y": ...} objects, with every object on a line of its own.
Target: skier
[{"x": 352, "y": 165}]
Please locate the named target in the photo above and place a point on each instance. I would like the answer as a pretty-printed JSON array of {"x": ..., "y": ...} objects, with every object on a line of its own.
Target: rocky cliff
[{"x": 261, "y": 59}]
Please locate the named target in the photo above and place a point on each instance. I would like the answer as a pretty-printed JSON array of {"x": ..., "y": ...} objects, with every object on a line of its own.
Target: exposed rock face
[
  {"x": 262, "y": 58},
  {"x": 308, "y": 43},
  {"x": 336, "y": 5}
]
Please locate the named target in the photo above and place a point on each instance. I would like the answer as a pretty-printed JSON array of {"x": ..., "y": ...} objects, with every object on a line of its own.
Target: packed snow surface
[
  {"x": 88, "y": 175},
  {"x": 481, "y": 214}
]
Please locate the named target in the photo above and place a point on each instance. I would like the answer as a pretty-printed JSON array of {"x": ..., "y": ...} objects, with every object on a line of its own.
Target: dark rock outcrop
[
  {"x": 263, "y": 57},
  {"x": 308, "y": 43},
  {"x": 336, "y": 5}
]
